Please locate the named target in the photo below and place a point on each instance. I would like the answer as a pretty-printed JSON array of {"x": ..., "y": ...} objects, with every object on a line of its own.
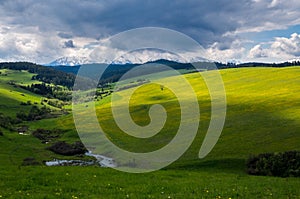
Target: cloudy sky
[{"x": 246, "y": 30}]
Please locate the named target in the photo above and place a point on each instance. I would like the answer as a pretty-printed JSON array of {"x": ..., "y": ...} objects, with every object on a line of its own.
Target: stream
[{"x": 101, "y": 160}]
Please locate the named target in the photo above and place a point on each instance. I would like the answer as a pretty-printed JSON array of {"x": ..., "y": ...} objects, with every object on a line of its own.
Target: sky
[{"x": 246, "y": 30}]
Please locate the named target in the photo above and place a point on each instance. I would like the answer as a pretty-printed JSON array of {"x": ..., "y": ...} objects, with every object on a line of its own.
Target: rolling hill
[{"x": 262, "y": 116}]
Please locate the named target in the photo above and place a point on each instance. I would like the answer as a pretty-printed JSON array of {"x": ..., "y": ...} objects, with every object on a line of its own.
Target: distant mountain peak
[
  {"x": 140, "y": 56},
  {"x": 70, "y": 61},
  {"x": 151, "y": 55}
]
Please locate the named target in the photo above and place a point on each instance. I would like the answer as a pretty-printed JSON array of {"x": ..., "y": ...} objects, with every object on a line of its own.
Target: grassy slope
[
  {"x": 15, "y": 147},
  {"x": 10, "y": 96},
  {"x": 263, "y": 116},
  {"x": 263, "y": 113}
]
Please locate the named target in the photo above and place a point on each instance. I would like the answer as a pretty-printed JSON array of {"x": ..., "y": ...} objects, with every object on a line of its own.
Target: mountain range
[
  {"x": 69, "y": 61},
  {"x": 135, "y": 57}
]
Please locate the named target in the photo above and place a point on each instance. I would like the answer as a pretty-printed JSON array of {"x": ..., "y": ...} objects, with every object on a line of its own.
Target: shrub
[
  {"x": 30, "y": 161},
  {"x": 286, "y": 164},
  {"x": 34, "y": 114},
  {"x": 7, "y": 122},
  {"x": 1, "y": 133},
  {"x": 47, "y": 135},
  {"x": 64, "y": 148},
  {"x": 21, "y": 115}
]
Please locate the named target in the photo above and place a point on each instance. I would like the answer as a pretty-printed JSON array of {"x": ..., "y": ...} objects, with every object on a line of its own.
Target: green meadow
[
  {"x": 11, "y": 96},
  {"x": 263, "y": 115}
]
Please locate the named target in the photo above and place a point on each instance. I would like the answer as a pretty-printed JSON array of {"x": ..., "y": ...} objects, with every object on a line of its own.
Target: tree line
[
  {"x": 49, "y": 91},
  {"x": 44, "y": 74},
  {"x": 256, "y": 64}
]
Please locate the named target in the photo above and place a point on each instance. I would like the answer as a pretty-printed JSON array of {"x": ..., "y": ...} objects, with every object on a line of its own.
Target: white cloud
[
  {"x": 289, "y": 46},
  {"x": 267, "y": 15},
  {"x": 280, "y": 49},
  {"x": 235, "y": 52},
  {"x": 258, "y": 52},
  {"x": 25, "y": 44},
  {"x": 30, "y": 44},
  {"x": 274, "y": 3}
]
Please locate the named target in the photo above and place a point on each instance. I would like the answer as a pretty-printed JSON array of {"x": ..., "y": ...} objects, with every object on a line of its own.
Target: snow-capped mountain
[
  {"x": 150, "y": 55},
  {"x": 134, "y": 57},
  {"x": 143, "y": 56},
  {"x": 70, "y": 61}
]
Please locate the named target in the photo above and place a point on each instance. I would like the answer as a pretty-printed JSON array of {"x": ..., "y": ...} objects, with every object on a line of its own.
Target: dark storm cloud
[
  {"x": 205, "y": 21},
  {"x": 64, "y": 35},
  {"x": 69, "y": 44},
  {"x": 214, "y": 24}
]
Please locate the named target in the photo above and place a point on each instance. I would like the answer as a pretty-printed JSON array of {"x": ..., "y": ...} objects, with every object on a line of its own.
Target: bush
[
  {"x": 34, "y": 114},
  {"x": 285, "y": 164},
  {"x": 1, "y": 133},
  {"x": 21, "y": 115},
  {"x": 64, "y": 148},
  {"x": 7, "y": 122},
  {"x": 47, "y": 135},
  {"x": 30, "y": 161}
]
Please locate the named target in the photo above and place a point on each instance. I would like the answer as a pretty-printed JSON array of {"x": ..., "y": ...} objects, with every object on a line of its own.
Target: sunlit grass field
[
  {"x": 263, "y": 115},
  {"x": 11, "y": 96}
]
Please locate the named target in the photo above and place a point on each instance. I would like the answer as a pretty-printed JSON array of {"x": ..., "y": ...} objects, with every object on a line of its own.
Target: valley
[{"x": 263, "y": 115}]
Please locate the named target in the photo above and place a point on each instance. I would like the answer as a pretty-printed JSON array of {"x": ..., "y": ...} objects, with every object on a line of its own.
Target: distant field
[
  {"x": 19, "y": 77},
  {"x": 263, "y": 116},
  {"x": 11, "y": 96}
]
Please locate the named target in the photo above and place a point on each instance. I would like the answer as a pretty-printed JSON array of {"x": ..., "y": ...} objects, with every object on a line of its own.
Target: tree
[{"x": 162, "y": 87}]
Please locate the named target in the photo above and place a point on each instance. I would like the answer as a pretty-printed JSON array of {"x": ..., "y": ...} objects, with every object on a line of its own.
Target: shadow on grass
[{"x": 228, "y": 165}]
